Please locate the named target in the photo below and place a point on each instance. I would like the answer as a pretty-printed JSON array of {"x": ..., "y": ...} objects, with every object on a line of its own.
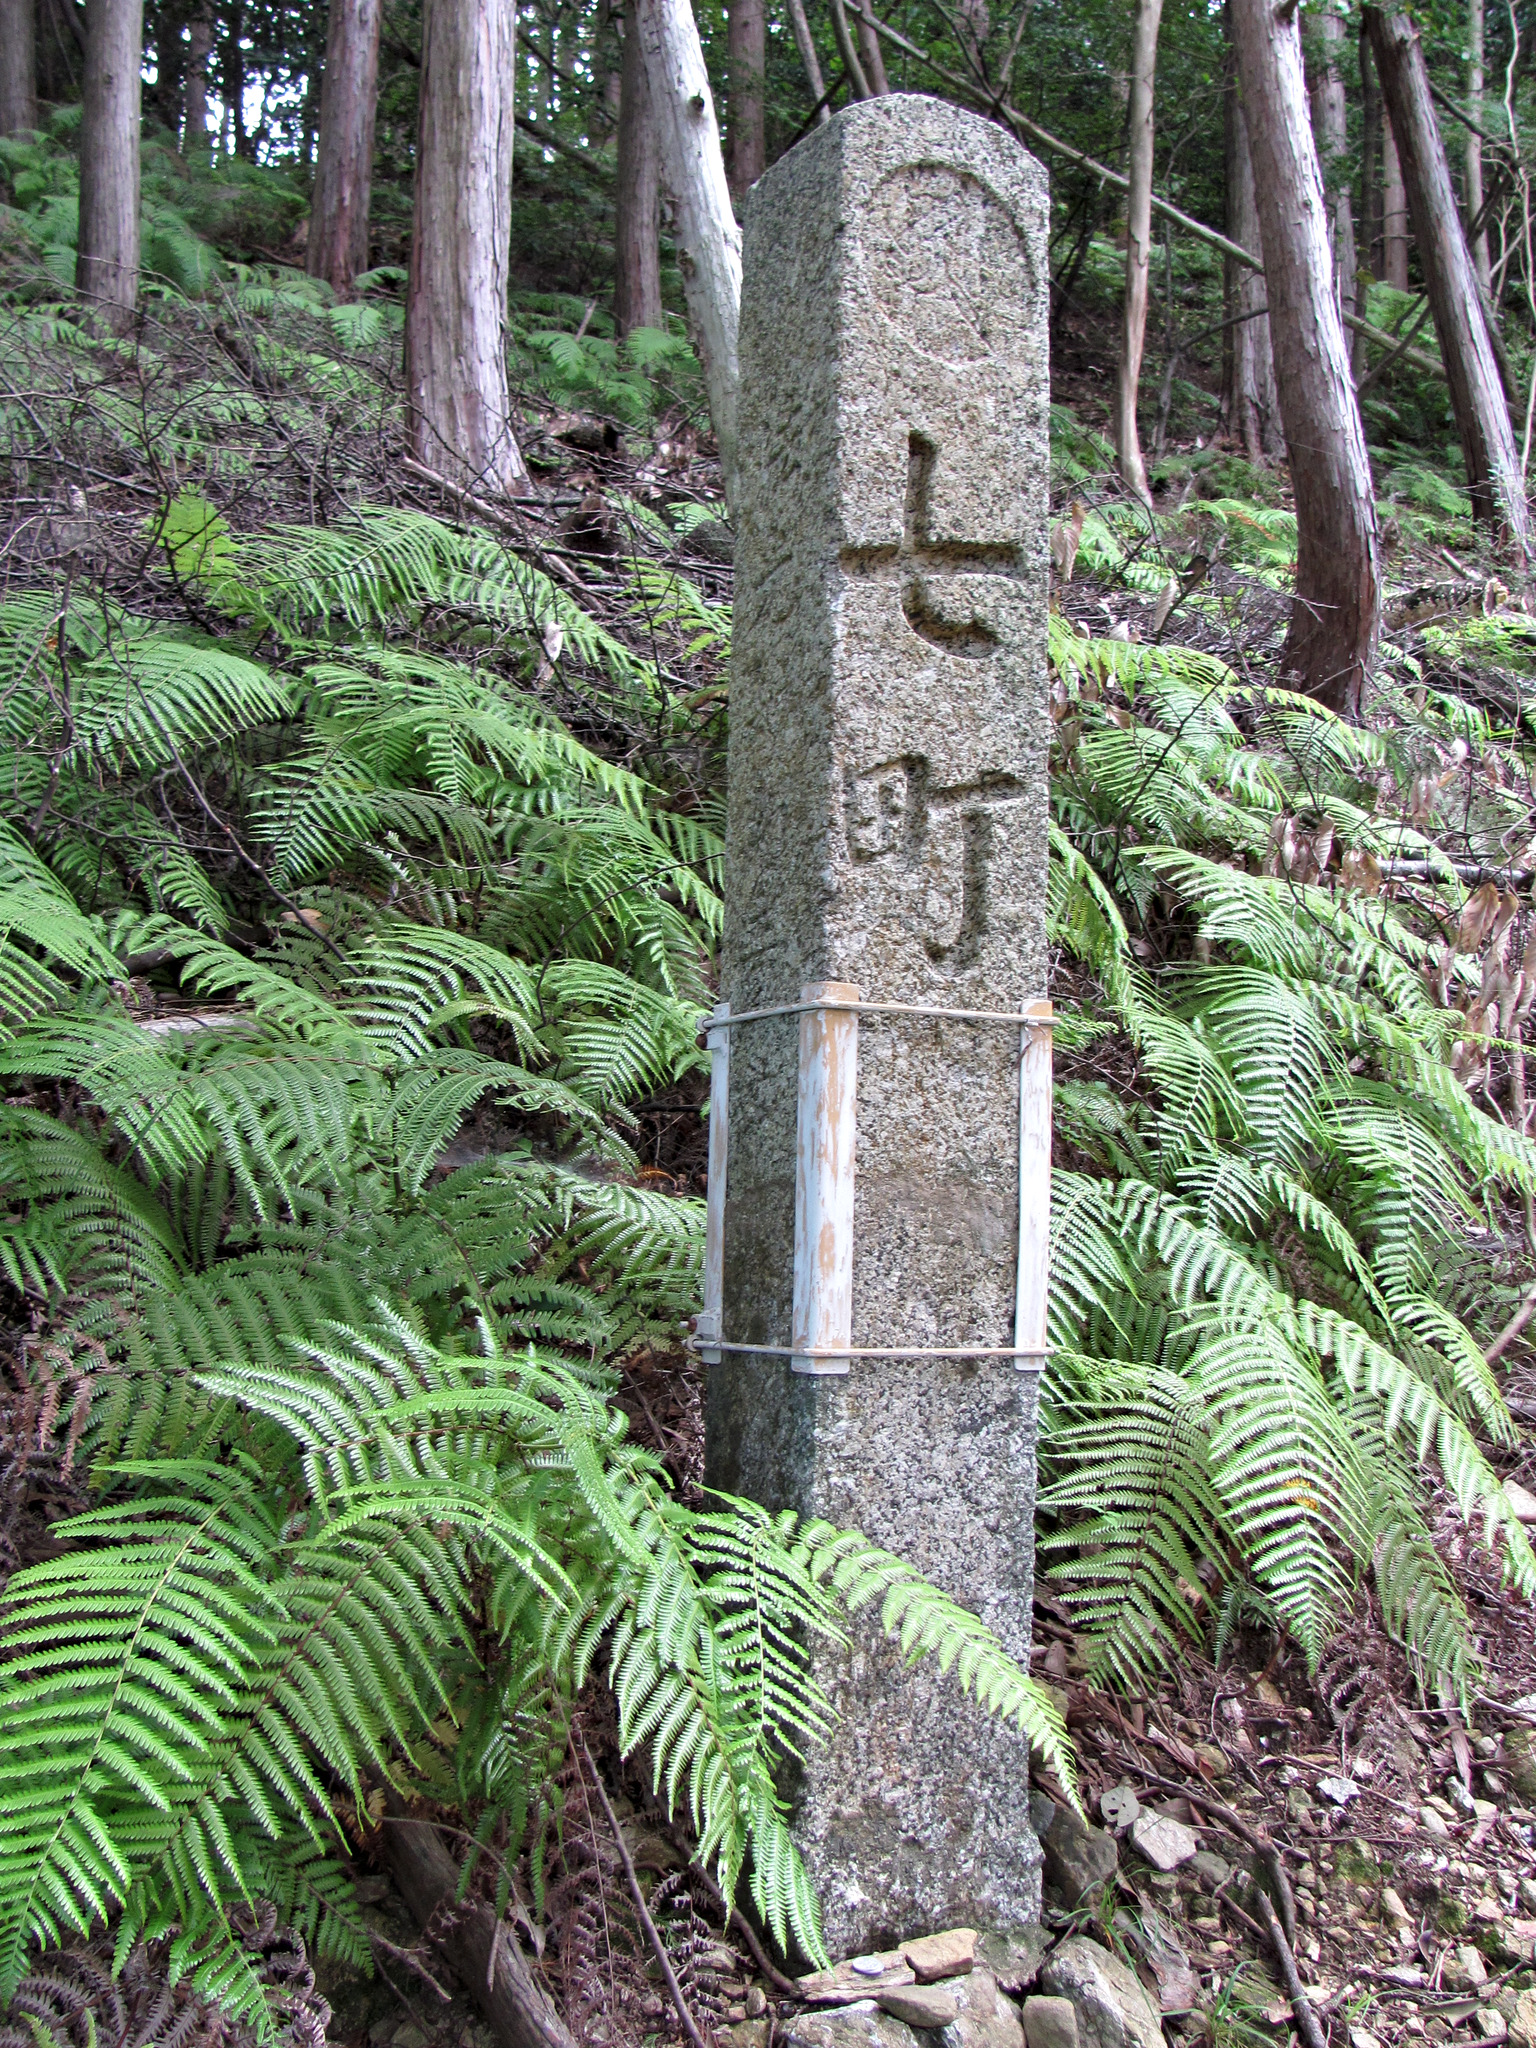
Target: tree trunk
[
  {"x": 18, "y": 67},
  {"x": 746, "y": 50},
  {"x": 1138, "y": 249},
  {"x": 349, "y": 91},
  {"x": 637, "y": 280},
  {"x": 1253, "y": 413},
  {"x": 107, "y": 252},
  {"x": 871, "y": 54},
  {"x": 1331, "y": 644},
  {"x": 194, "y": 115},
  {"x": 1394, "y": 209},
  {"x": 853, "y": 69},
  {"x": 1330, "y": 125},
  {"x": 60, "y": 50},
  {"x": 808, "y": 57},
  {"x": 693, "y": 170},
  {"x": 1475, "y": 84},
  {"x": 233, "y": 70},
  {"x": 1461, "y": 325},
  {"x": 456, "y": 308},
  {"x": 1370, "y": 158}
]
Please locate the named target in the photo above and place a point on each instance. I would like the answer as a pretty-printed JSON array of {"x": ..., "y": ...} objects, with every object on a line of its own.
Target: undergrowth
[{"x": 358, "y": 892}]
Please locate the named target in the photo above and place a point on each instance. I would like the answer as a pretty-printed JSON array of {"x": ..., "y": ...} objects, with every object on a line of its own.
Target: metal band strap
[{"x": 827, "y": 1358}]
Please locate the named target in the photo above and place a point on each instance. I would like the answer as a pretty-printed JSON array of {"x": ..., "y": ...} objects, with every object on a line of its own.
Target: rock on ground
[
  {"x": 1050, "y": 2023},
  {"x": 1112, "y": 2009}
]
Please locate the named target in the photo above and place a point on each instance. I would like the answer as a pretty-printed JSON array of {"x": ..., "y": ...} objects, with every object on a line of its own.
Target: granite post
[{"x": 887, "y": 830}]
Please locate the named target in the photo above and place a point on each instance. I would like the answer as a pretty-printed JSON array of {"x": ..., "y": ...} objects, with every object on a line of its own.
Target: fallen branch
[
  {"x": 658, "y": 1947},
  {"x": 1512, "y": 1328},
  {"x": 1258, "y": 1840},
  {"x": 734, "y": 1917},
  {"x": 493, "y": 1968},
  {"x": 1268, "y": 1925}
]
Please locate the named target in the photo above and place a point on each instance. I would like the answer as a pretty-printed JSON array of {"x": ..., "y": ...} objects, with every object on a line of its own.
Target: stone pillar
[{"x": 887, "y": 828}]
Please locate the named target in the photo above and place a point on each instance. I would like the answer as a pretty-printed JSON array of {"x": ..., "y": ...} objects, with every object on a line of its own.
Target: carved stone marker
[{"x": 887, "y": 832}]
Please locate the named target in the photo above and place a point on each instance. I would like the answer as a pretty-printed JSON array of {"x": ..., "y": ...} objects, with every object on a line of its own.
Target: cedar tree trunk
[
  {"x": 1138, "y": 249},
  {"x": 1394, "y": 208},
  {"x": 693, "y": 170},
  {"x": 1330, "y": 125},
  {"x": 808, "y": 57},
  {"x": 1475, "y": 84},
  {"x": 1253, "y": 412},
  {"x": 18, "y": 67},
  {"x": 746, "y": 51},
  {"x": 870, "y": 53},
  {"x": 349, "y": 90},
  {"x": 107, "y": 252},
  {"x": 456, "y": 310},
  {"x": 637, "y": 279},
  {"x": 1461, "y": 325},
  {"x": 1336, "y": 614},
  {"x": 194, "y": 117}
]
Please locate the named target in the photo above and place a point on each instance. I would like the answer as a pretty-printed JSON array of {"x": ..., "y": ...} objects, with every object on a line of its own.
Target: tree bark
[
  {"x": 693, "y": 170},
  {"x": 1461, "y": 324},
  {"x": 18, "y": 67},
  {"x": 194, "y": 112},
  {"x": 1335, "y": 617},
  {"x": 349, "y": 91},
  {"x": 1394, "y": 209},
  {"x": 456, "y": 307},
  {"x": 808, "y": 57},
  {"x": 1138, "y": 249},
  {"x": 746, "y": 53},
  {"x": 870, "y": 53},
  {"x": 107, "y": 251},
  {"x": 637, "y": 280},
  {"x": 1330, "y": 124},
  {"x": 1253, "y": 413},
  {"x": 234, "y": 80},
  {"x": 1370, "y": 158},
  {"x": 60, "y": 51},
  {"x": 1475, "y": 84},
  {"x": 853, "y": 69}
]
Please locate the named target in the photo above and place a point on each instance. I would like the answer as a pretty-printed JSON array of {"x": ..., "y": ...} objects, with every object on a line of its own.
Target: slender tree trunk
[
  {"x": 456, "y": 309},
  {"x": 60, "y": 51},
  {"x": 234, "y": 80},
  {"x": 858, "y": 84},
  {"x": 1394, "y": 208},
  {"x": 1461, "y": 324},
  {"x": 1330, "y": 125},
  {"x": 1369, "y": 214},
  {"x": 746, "y": 51},
  {"x": 194, "y": 113},
  {"x": 693, "y": 170},
  {"x": 1370, "y": 158},
  {"x": 164, "y": 101},
  {"x": 349, "y": 91},
  {"x": 18, "y": 67},
  {"x": 637, "y": 283},
  {"x": 1475, "y": 84},
  {"x": 1138, "y": 249},
  {"x": 871, "y": 55},
  {"x": 1253, "y": 412},
  {"x": 808, "y": 57},
  {"x": 1335, "y": 618},
  {"x": 107, "y": 252}
]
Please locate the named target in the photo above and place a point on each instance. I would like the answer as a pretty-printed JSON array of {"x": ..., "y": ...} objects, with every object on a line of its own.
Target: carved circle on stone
[{"x": 947, "y": 266}]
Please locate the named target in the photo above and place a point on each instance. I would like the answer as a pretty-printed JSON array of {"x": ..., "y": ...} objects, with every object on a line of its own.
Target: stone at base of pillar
[{"x": 915, "y": 1813}]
